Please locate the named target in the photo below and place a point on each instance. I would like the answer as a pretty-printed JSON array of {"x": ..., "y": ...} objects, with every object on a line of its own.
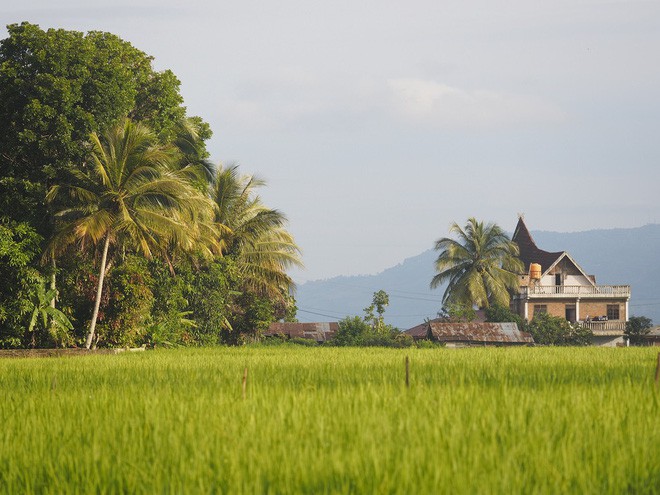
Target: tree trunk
[
  {"x": 53, "y": 280},
  {"x": 53, "y": 287},
  {"x": 99, "y": 290}
]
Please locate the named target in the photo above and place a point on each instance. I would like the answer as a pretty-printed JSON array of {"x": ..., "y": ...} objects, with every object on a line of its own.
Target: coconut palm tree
[
  {"x": 188, "y": 135},
  {"x": 481, "y": 267},
  {"x": 132, "y": 194},
  {"x": 255, "y": 235}
]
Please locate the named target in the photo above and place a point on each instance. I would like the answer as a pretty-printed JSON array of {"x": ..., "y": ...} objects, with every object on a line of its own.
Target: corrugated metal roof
[
  {"x": 654, "y": 332},
  {"x": 420, "y": 331},
  {"x": 319, "y": 331},
  {"x": 477, "y": 332},
  {"x": 480, "y": 332}
]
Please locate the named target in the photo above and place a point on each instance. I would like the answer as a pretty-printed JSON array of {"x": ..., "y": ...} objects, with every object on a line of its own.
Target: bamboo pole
[
  {"x": 408, "y": 372},
  {"x": 245, "y": 375}
]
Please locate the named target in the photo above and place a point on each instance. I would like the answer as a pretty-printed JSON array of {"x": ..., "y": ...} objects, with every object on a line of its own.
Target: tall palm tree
[
  {"x": 189, "y": 134},
  {"x": 255, "y": 235},
  {"x": 132, "y": 195},
  {"x": 481, "y": 267}
]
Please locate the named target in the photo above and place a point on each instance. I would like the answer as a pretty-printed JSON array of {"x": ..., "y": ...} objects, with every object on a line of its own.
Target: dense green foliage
[
  {"x": 459, "y": 313},
  {"x": 356, "y": 332},
  {"x": 111, "y": 211},
  {"x": 58, "y": 86},
  {"x": 328, "y": 420},
  {"x": 371, "y": 330},
  {"x": 500, "y": 314},
  {"x": 636, "y": 328},
  {"x": 555, "y": 330},
  {"x": 19, "y": 246},
  {"x": 481, "y": 266}
]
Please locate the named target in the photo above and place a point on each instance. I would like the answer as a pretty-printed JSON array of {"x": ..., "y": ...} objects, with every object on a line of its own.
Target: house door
[
  {"x": 558, "y": 279},
  {"x": 570, "y": 313}
]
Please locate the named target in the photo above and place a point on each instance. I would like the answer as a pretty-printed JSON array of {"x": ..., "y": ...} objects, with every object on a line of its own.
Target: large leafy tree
[
  {"x": 58, "y": 86},
  {"x": 480, "y": 267},
  {"x": 254, "y": 235},
  {"x": 636, "y": 328},
  {"x": 132, "y": 195}
]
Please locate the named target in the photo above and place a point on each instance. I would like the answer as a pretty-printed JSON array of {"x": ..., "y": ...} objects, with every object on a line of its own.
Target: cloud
[
  {"x": 429, "y": 102},
  {"x": 291, "y": 98}
]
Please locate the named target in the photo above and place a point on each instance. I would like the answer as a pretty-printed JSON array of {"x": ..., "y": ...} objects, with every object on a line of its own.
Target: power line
[
  {"x": 372, "y": 288},
  {"x": 318, "y": 314},
  {"x": 343, "y": 315}
]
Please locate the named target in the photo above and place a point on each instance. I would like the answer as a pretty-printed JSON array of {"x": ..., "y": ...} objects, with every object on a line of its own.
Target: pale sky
[{"x": 377, "y": 124}]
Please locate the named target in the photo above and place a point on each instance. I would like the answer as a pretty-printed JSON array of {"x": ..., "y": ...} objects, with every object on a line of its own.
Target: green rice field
[{"x": 333, "y": 420}]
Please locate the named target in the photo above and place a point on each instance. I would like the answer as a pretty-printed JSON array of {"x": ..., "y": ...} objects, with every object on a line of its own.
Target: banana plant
[{"x": 60, "y": 325}]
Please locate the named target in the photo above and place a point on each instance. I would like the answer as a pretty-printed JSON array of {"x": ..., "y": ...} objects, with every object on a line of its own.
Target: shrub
[
  {"x": 125, "y": 317},
  {"x": 354, "y": 331},
  {"x": 501, "y": 314},
  {"x": 554, "y": 330}
]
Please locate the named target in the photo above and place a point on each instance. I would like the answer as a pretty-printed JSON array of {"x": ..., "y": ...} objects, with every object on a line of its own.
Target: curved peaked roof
[{"x": 529, "y": 252}]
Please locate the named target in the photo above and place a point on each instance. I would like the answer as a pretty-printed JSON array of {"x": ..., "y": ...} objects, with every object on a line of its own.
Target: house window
[
  {"x": 558, "y": 279},
  {"x": 540, "y": 308},
  {"x": 612, "y": 311}
]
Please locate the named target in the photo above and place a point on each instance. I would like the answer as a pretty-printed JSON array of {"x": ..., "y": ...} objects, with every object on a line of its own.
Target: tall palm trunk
[
  {"x": 53, "y": 281},
  {"x": 99, "y": 290},
  {"x": 53, "y": 287}
]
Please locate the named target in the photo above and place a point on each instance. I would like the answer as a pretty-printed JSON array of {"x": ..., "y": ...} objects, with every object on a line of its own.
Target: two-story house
[{"x": 554, "y": 283}]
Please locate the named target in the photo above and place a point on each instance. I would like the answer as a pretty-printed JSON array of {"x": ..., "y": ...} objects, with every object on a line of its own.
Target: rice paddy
[{"x": 332, "y": 420}]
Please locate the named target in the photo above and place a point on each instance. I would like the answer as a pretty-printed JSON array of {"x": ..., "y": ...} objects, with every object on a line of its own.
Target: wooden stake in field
[
  {"x": 657, "y": 371},
  {"x": 245, "y": 373},
  {"x": 408, "y": 372}
]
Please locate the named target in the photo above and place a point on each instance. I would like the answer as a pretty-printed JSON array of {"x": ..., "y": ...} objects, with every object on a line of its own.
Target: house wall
[
  {"x": 576, "y": 280},
  {"x": 557, "y": 307},
  {"x": 599, "y": 308},
  {"x": 566, "y": 279},
  {"x": 570, "y": 274}
]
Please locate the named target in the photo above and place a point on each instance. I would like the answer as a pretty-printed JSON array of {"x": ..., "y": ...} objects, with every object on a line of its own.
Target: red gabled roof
[{"x": 529, "y": 252}]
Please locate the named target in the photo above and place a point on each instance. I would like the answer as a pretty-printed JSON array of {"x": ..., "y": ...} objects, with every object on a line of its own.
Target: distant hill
[{"x": 615, "y": 256}]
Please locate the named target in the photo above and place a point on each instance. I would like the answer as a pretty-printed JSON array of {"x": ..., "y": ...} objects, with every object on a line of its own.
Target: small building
[
  {"x": 653, "y": 337},
  {"x": 554, "y": 283},
  {"x": 471, "y": 334},
  {"x": 320, "y": 331}
]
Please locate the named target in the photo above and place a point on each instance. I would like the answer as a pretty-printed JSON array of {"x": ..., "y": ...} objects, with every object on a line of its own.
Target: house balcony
[
  {"x": 581, "y": 291},
  {"x": 605, "y": 328}
]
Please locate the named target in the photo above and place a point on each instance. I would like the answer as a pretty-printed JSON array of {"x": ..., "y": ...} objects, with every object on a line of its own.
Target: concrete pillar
[
  {"x": 577, "y": 309},
  {"x": 527, "y": 309}
]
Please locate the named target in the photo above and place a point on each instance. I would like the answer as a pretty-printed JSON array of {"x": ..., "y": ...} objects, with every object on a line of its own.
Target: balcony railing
[
  {"x": 576, "y": 290},
  {"x": 610, "y": 327}
]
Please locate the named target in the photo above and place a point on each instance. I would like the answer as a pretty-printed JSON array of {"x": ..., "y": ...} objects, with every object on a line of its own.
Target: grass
[{"x": 333, "y": 420}]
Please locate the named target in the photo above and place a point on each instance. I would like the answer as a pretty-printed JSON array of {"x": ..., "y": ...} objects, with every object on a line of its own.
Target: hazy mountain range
[{"x": 615, "y": 256}]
